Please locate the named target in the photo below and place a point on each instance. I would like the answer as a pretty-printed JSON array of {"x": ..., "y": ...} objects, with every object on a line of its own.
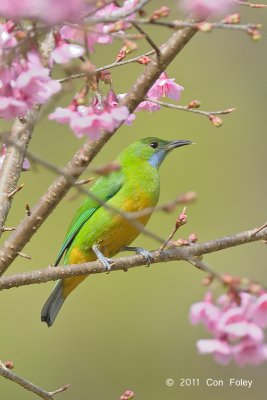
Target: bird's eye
[{"x": 154, "y": 145}]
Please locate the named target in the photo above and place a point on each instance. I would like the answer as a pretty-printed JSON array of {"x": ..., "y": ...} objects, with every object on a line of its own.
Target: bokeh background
[{"x": 131, "y": 331}]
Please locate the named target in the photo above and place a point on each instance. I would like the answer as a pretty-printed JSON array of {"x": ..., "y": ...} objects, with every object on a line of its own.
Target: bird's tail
[{"x": 53, "y": 304}]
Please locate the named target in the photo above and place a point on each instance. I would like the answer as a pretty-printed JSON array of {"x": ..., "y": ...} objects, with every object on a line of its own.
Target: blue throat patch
[{"x": 157, "y": 158}]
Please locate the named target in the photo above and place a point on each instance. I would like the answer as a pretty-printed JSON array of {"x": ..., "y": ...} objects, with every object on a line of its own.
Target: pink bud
[
  {"x": 160, "y": 13},
  {"x": 232, "y": 19},
  {"x": 9, "y": 364},
  {"x": 216, "y": 121},
  {"x": 194, "y": 104},
  {"x": 193, "y": 238},
  {"x": 182, "y": 219},
  {"x": 143, "y": 60},
  {"x": 127, "y": 395},
  {"x": 204, "y": 27}
]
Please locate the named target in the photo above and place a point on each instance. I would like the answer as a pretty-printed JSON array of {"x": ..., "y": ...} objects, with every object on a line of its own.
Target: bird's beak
[{"x": 177, "y": 143}]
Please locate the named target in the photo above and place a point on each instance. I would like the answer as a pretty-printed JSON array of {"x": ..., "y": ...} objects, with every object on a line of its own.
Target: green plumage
[{"x": 134, "y": 187}]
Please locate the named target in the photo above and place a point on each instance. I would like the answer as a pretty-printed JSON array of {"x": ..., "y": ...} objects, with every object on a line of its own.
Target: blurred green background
[{"x": 131, "y": 331}]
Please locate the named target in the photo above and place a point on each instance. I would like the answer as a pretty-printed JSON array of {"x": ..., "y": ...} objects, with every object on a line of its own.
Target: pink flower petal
[
  {"x": 62, "y": 115},
  {"x": 220, "y": 349},
  {"x": 250, "y": 353},
  {"x": 244, "y": 329},
  {"x": 204, "y": 7},
  {"x": 66, "y": 52},
  {"x": 258, "y": 311}
]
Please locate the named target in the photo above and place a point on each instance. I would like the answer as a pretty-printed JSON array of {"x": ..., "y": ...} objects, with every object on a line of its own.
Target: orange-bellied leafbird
[{"x": 95, "y": 232}]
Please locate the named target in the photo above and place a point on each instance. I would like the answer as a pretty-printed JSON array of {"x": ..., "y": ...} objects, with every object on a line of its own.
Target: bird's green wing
[{"x": 104, "y": 189}]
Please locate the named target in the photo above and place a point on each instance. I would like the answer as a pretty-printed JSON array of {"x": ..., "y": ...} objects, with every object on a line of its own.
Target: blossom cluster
[
  {"x": 90, "y": 120},
  {"x": 206, "y": 7},
  {"x": 237, "y": 329},
  {"x": 25, "y": 81}
]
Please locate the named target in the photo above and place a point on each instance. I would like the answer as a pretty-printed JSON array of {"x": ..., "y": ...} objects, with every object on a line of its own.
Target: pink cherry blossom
[
  {"x": 205, "y": 312},
  {"x": 77, "y": 35},
  {"x": 258, "y": 311},
  {"x": 249, "y": 352},
  {"x": 62, "y": 115},
  {"x": 91, "y": 120},
  {"x": 148, "y": 106},
  {"x": 23, "y": 84},
  {"x": 219, "y": 348},
  {"x": 205, "y": 7},
  {"x": 48, "y": 11},
  {"x": 7, "y": 39},
  {"x": 65, "y": 52},
  {"x": 237, "y": 329},
  {"x": 165, "y": 87}
]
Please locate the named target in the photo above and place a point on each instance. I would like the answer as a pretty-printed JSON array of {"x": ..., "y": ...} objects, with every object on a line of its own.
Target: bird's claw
[
  {"x": 143, "y": 252},
  {"x": 106, "y": 262}
]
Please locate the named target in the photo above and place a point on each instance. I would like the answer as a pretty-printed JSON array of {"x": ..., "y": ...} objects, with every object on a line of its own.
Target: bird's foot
[
  {"x": 143, "y": 252},
  {"x": 106, "y": 262}
]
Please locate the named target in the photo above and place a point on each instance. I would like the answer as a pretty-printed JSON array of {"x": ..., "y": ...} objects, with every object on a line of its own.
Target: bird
[{"x": 95, "y": 232}]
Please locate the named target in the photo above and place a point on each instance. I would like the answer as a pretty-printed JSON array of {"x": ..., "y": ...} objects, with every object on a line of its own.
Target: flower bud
[
  {"x": 216, "y": 121},
  {"x": 160, "y": 13},
  {"x": 204, "y": 27},
  {"x": 127, "y": 395},
  {"x": 193, "y": 238},
  {"x": 9, "y": 364},
  {"x": 232, "y": 19},
  {"x": 143, "y": 60},
  {"x": 194, "y": 104}
]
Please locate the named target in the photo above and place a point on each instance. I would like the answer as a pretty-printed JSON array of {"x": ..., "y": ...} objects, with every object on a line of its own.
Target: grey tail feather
[{"x": 53, "y": 304}]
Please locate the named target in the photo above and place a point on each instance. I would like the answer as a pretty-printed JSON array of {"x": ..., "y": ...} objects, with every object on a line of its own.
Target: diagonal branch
[
  {"x": 58, "y": 189},
  {"x": 187, "y": 253},
  {"x": 21, "y": 134},
  {"x": 6, "y": 373}
]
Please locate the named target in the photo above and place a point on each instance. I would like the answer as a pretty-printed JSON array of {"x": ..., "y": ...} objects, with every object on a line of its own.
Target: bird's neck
[{"x": 143, "y": 178}]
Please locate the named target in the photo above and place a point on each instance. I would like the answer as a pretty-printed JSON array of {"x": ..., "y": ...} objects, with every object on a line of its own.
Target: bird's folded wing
[{"x": 104, "y": 189}]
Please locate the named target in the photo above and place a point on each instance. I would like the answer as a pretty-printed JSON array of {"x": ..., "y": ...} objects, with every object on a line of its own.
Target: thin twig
[
  {"x": 28, "y": 210},
  {"x": 184, "y": 198},
  {"x": 202, "y": 26},
  {"x": 6, "y": 373},
  {"x": 181, "y": 220},
  {"x": 193, "y": 110},
  {"x": 252, "y": 5},
  {"x": 16, "y": 190},
  {"x": 108, "y": 66},
  {"x": 148, "y": 38},
  {"x": 8, "y": 229},
  {"x": 24, "y": 255},
  {"x": 83, "y": 181},
  {"x": 203, "y": 266}
]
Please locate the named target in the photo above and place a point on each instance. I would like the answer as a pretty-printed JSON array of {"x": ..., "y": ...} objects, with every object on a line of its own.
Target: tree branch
[
  {"x": 108, "y": 66},
  {"x": 6, "y": 373},
  {"x": 30, "y": 224},
  {"x": 21, "y": 134},
  {"x": 186, "y": 253},
  {"x": 120, "y": 14}
]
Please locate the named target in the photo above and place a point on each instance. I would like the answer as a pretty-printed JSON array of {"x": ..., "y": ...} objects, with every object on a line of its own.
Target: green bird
[{"x": 95, "y": 232}]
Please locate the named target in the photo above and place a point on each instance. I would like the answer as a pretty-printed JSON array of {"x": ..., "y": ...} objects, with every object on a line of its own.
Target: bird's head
[{"x": 152, "y": 149}]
